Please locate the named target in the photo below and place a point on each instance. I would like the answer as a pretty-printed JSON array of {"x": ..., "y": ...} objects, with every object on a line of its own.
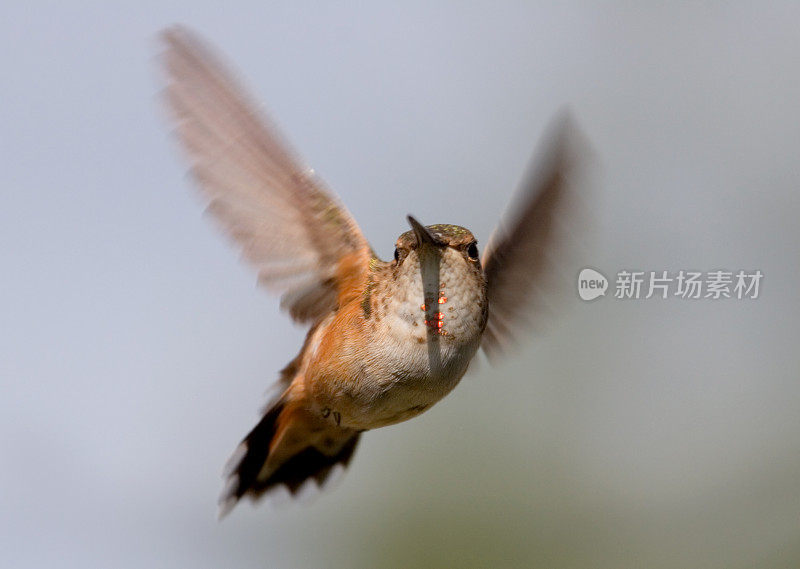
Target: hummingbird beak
[{"x": 422, "y": 233}]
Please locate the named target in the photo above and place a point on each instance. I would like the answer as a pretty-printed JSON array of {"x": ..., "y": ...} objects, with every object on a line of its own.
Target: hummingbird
[{"x": 386, "y": 339}]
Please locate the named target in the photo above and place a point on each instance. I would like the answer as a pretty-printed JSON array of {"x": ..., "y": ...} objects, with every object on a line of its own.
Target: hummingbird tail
[{"x": 289, "y": 446}]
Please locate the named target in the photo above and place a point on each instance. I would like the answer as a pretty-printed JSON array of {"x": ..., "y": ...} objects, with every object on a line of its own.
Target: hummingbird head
[
  {"x": 438, "y": 267},
  {"x": 434, "y": 239}
]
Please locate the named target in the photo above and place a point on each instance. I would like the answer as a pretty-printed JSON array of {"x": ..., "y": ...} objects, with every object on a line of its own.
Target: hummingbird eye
[
  {"x": 472, "y": 251},
  {"x": 397, "y": 255}
]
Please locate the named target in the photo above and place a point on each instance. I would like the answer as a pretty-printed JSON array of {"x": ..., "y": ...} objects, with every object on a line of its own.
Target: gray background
[{"x": 135, "y": 349}]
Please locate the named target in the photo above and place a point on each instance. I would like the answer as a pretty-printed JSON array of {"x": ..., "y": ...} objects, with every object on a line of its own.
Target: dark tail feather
[{"x": 308, "y": 461}]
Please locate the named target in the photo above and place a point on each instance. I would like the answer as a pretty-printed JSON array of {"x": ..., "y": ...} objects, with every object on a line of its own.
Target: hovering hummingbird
[{"x": 387, "y": 339}]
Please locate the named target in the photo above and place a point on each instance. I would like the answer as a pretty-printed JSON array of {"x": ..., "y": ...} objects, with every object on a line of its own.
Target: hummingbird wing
[
  {"x": 287, "y": 224},
  {"x": 527, "y": 257}
]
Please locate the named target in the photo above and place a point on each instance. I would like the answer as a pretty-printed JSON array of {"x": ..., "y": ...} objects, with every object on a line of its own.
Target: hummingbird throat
[{"x": 432, "y": 291}]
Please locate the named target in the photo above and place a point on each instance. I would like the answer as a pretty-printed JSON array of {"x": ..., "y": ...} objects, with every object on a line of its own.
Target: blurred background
[{"x": 135, "y": 348}]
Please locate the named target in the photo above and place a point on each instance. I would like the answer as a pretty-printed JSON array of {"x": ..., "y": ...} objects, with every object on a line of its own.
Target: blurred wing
[
  {"x": 527, "y": 256},
  {"x": 287, "y": 224}
]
